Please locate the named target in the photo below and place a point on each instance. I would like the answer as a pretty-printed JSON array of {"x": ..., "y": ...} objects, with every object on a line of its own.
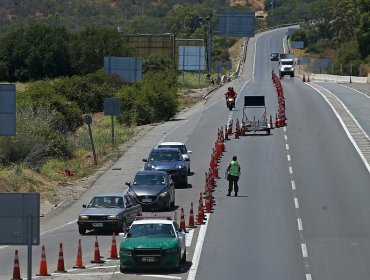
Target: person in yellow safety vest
[{"x": 233, "y": 171}]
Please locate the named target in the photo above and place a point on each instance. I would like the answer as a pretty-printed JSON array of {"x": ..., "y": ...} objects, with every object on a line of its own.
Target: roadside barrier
[
  {"x": 16, "y": 269},
  {"x": 43, "y": 266},
  {"x": 79, "y": 263},
  {"x": 60, "y": 266},
  {"x": 97, "y": 257},
  {"x": 113, "y": 249}
]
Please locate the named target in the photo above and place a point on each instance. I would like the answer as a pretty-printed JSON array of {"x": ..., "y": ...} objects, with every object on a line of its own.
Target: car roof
[
  {"x": 172, "y": 144},
  {"x": 166, "y": 150},
  {"x": 152, "y": 221},
  {"x": 109, "y": 194},
  {"x": 152, "y": 172}
]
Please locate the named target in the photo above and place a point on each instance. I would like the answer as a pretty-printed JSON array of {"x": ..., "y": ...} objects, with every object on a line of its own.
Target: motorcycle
[{"x": 230, "y": 103}]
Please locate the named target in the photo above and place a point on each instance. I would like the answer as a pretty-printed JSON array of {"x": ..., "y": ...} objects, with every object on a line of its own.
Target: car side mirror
[
  {"x": 83, "y": 205},
  {"x": 128, "y": 183},
  {"x": 190, "y": 152},
  {"x": 145, "y": 160},
  {"x": 187, "y": 159}
]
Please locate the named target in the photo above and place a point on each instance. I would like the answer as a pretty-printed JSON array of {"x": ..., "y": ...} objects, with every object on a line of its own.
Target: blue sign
[
  {"x": 112, "y": 107},
  {"x": 303, "y": 60},
  {"x": 192, "y": 58},
  {"x": 237, "y": 24},
  {"x": 7, "y": 110},
  {"x": 297, "y": 45},
  {"x": 219, "y": 66},
  {"x": 128, "y": 68}
]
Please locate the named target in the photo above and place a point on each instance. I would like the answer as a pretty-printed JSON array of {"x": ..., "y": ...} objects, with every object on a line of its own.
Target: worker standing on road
[{"x": 233, "y": 171}]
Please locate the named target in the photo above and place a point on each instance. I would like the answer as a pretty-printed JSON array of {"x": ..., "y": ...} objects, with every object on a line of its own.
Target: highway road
[{"x": 302, "y": 210}]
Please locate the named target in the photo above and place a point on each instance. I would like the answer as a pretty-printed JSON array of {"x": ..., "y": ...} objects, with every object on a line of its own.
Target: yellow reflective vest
[{"x": 234, "y": 168}]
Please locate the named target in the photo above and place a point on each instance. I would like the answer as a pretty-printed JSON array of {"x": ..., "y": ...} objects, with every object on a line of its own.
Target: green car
[{"x": 154, "y": 243}]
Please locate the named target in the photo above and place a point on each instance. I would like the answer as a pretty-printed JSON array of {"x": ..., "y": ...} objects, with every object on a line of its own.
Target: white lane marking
[
  {"x": 160, "y": 276},
  {"x": 286, "y": 137},
  {"x": 287, "y": 146},
  {"x": 103, "y": 267},
  {"x": 296, "y": 204},
  {"x": 293, "y": 185},
  {"x": 198, "y": 250},
  {"x": 284, "y": 128},
  {"x": 308, "y": 277},
  {"x": 345, "y": 127},
  {"x": 254, "y": 59},
  {"x": 284, "y": 40},
  {"x": 59, "y": 227},
  {"x": 288, "y": 156},
  {"x": 78, "y": 274},
  {"x": 212, "y": 104},
  {"x": 304, "y": 250},
  {"x": 356, "y": 91},
  {"x": 172, "y": 130},
  {"x": 290, "y": 170},
  {"x": 300, "y": 226},
  {"x": 189, "y": 238}
]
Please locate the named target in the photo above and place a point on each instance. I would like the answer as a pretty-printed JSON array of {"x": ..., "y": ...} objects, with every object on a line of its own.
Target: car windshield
[
  {"x": 149, "y": 179},
  {"x": 287, "y": 62},
  {"x": 180, "y": 147},
  {"x": 164, "y": 156},
  {"x": 151, "y": 231},
  {"x": 106, "y": 202}
]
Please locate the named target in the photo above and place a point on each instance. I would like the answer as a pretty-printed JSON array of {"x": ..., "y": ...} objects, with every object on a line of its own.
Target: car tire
[
  {"x": 183, "y": 259},
  {"x": 185, "y": 182},
  {"x": 122, "y": 270},
  {"x": 82, "y": 230}
]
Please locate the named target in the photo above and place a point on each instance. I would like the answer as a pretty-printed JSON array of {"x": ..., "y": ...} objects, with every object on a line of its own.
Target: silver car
[{"x": 181, "y": 146}]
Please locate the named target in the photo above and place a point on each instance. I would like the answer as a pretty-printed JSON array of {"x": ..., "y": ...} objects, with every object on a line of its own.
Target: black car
[
  {"x": 171, "y": 161},
  {"x": 109, "y": 212},
  {"x": 274, "y": 56},
  {"x": 153, "y": 190}
]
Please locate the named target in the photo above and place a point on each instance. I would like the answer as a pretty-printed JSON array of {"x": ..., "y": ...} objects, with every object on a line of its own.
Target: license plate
[
  {"x": 97, "y": 224},
  {"x": 146, "y": 200},
  {"x": 148, "y": 259}
]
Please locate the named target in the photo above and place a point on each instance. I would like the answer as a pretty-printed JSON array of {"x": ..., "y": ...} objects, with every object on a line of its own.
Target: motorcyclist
[{"x": 230, "y": 93}]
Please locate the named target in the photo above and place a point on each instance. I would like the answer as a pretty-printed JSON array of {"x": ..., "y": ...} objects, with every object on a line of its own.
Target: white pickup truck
[{"x": 286, "y": 65}]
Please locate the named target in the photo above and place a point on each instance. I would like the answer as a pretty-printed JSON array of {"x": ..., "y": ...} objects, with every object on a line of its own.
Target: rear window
[
  {"x": 165, "y": 156},
  {"x": 180, "y": 147}
]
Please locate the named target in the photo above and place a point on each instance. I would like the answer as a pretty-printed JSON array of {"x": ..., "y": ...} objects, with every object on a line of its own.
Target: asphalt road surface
[{"x": 303, "y": 205}]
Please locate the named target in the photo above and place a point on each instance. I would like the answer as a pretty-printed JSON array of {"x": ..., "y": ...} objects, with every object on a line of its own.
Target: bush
[
  {"x": 88, "y": 92},
  {"x": 42, "y": 94}
]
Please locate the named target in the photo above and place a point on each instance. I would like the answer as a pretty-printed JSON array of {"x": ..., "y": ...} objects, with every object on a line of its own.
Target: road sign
[
  {"x": 19, "y": 218},
  {"x": 192, "y": 58},
  {"x": 237, "y": 24},
  {"x": 219, "y": 67},
  {"x": 112, "y": 107},
  {"x": 7, "y": 110},
  {"x": 297, "y": 44},
  {"x": 128, "y": 68},
  {"x": 304, "y": 60}
]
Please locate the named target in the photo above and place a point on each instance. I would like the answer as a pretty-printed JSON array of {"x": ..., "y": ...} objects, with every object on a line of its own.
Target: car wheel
[
  {"x": 123, "y": 270},
  {"x": 183, "y": 259},
  {"x": 82, "y": 230},
  {"x": 185, "y": 182}
]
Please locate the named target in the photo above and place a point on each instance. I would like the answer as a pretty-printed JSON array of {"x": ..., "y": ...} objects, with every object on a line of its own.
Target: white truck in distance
[{"x": 286, "y": 65}]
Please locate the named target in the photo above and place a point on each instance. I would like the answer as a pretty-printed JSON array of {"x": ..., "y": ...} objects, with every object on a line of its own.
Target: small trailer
[{"x": 254, "y": 115}]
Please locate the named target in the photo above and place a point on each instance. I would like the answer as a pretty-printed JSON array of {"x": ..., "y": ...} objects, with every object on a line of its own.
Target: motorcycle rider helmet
[{"x": 229, "y": 88}]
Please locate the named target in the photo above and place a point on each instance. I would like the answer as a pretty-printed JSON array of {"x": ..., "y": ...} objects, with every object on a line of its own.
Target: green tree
[{"x": 363, "y": 28}]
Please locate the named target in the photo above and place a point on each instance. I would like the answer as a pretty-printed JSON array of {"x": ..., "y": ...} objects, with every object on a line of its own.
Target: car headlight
[
  {"x": 126, "y": 252},
  {"x": 172, "y": 250},
  {"x": 164, "y": 194},
  {"x": 179, "y": 167},
  {"x": 112, "y": 217},
  {"x": 83, "y": 217}
]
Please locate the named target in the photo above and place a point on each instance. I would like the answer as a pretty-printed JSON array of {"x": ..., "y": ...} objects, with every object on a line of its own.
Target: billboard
[
  {"x": 297, "y": 44},
  {"x": 241, "y": 24},
  {"x": 191, "y": 58},
  {"x": 128, "y": 68}
]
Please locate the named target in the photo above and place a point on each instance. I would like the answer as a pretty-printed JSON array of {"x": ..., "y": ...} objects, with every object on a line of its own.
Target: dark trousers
[{"x": 233, "y": 180}]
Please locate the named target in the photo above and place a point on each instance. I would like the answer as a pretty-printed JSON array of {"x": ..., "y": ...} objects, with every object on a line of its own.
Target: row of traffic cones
[
  {"x": 304, "y": 78},
  {"x": 43, "y": 271},
  {"x": 280, "y": 120}
]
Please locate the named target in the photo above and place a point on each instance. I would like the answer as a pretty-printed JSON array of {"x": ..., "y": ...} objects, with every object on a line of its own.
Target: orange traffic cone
[
  {"x": 200, "y": 214},
  {"x": 208, "y": 204},
  {"x": 60, "y": 266},
  {"x": 97, "y": 257},
  {"x": 16, "y": 270},
  {"x": 79, "y": 256},
  {"x": 308, "y": 78},
  {"x": 175, "y": 216},
  {"x": 303, "y": 79},
  {"x": 113, "y": 250},
  {"x": 191, "y": 217},
  {"x": 182, "y": 220},
  {"x": 43, "y": 265}
]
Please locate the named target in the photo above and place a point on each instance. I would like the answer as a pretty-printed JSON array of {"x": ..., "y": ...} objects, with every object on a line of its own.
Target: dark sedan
[
  {"x": 274, "y": 56},
  {"x": 153, "y": 190},
  {"x": 108, "y": 212},
  {"x": 171, "y": 161}
]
